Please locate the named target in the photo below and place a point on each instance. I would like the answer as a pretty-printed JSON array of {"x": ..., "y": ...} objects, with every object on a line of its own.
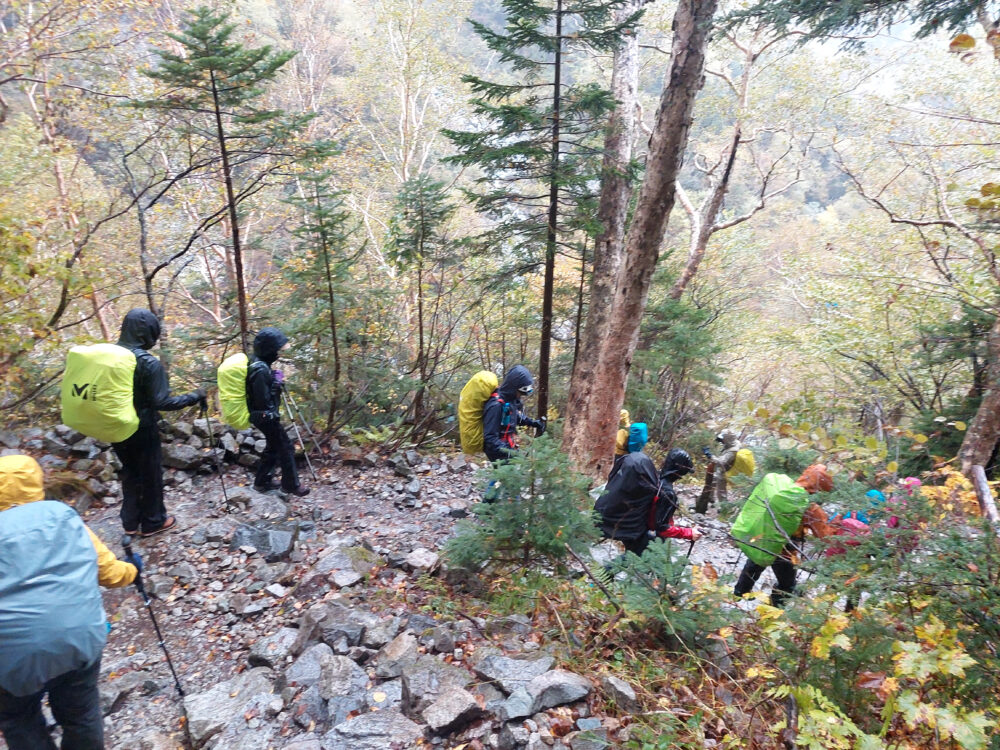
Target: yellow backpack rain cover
[
  {"x": 474, "y": 396},
  {"x": 744, "y": 464},
  {"x": 232, "y": 380},
  {"x": 97, "y": 390}
]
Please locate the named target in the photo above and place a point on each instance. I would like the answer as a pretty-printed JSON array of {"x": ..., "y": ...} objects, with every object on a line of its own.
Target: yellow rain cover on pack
[
  {"x": 474, "y": 396},
  {"x": 745, "y": 463},
  {"x": 232, "y": 380},
  {"x": 97, "y": 390}
]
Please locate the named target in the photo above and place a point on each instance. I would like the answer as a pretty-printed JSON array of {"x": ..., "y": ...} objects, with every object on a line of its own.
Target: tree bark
[
  {"x": 612, "y": 212},
  {"x": 984, "y": 430},
  {"x": 550, "y": 233},
  {"x": 227, "y": 173},
  {"x": 592, "y": 446}
]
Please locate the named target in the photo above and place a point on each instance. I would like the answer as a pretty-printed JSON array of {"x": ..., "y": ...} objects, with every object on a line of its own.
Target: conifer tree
[
  {"x": 321, "y": 271},
  {"x": 536, "y": 144},
  {"x": 214, "y": 87},
  {"x": 418, "y": 243}
]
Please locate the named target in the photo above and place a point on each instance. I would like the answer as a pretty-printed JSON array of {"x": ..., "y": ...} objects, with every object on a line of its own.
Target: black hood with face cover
[
  {"x": 677, "y": 464},
  {"x": 517, "y": 377},
  {"x": 140, "y": 329},
  {"x": 268, "y": 343}
]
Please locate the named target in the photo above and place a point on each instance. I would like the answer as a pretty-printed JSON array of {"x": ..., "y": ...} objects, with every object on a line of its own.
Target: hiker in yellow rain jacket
[{"x": 52, "y": 622}]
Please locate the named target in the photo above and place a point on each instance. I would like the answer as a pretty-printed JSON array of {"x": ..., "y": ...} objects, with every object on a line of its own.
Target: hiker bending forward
[
  {"x": 503, "y": 414},
  {"x": 52, "y": 623},
  {"x": 779, "y": 547},
  {"x": 637, "y": 506},
  {"x": 714, "y": 490}
]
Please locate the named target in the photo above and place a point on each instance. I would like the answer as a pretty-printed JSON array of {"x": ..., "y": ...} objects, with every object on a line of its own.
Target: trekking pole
[
  {"x": 130, "y": 557},
  {"x": 305, "y": 424},
  {"x": 298, "y": 435},
  {"x": 218, "y": 459}
]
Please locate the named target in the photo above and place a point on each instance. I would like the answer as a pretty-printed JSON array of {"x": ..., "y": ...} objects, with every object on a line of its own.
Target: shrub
[{"x": 541, "y": 506}]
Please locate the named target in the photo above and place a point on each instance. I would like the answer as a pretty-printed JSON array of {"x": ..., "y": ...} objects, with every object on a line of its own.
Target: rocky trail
[{"x": 290, "y": 620}]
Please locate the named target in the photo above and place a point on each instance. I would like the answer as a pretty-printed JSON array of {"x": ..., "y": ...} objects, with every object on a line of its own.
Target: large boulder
[
  {"x": 342, "y": 677},
  {"x": 452, "y": 710},
  {"x": 209, "y": 712},
  {"x": 396, "y": 654},
  {"x": 273, "y": 540},
  {"x": 308, "y": 668}
]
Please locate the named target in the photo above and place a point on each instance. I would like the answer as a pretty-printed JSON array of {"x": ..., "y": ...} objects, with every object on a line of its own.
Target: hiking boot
[
  {"x": 269, "y": 487},
  {"x": 299, "y": 491},
  {"x": 169, "y": 524}
]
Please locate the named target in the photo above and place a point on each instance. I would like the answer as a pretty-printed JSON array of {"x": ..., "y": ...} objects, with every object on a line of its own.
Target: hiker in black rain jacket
[
  {"x": 141, "y": 455},
  {"x": 503, "y": 412},
  {"x": 264, "y": 402},
  {"x": 637, "y": 502}
]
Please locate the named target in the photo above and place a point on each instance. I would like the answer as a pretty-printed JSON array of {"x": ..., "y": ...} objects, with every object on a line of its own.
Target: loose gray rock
[
  {"x": 451, "y": 711},
  {"x": 310, "y": 744},
  {"x": 396, "y": 654},
  {"x": 209, "y": 712},
  {"x": 511, "y": 674},
  {"x": 180, "y": 456},
  {"x": 340, "y": 676},
  {"x": 274, "y": 541},
  {"x": 376, "y": 730},
  {"x": 308, "y": 668},
  {"x": 556, "y": 688},
  {"x": 387, "y": 694},
  {"x": 200, "y": 427},
  {"x": 274, "y": 649},
  {"x": 113, "y": 692},
  {"x": 620, "y": 692},
  {"x": 518, "y": 624},
  {"x": 426, "y": 679},
  {"x": 229, "y": 445},
  {"x": 380, "y": 633},
  {"x": 309, "y": 709},
  {"x": 422, "y": 560},
  {"x": 517, "y": 706}
]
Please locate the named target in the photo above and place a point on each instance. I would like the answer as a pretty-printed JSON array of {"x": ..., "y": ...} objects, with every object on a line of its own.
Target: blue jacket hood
[
  {"x": 517, "y": 377},
  {"x": 638, "y": 436}
]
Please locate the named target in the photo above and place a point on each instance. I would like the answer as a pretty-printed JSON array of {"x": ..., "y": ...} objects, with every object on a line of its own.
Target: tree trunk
[
  {"x": 984, "y": 430},
  {"x": 612, "y": 212},
  {"x": 550, "y": 233},
  {"x": 227, "y": 173},
  {"x": 592, "y": 445}
]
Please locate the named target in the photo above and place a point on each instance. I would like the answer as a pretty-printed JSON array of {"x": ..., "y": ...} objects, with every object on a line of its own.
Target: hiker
[
  {"x": 264, "y": 402},
  {"x": 503, "y": 414},
  {"x": 141, "y": 475},
  {"x": 52, "y": 622},
  {"x": 778, "y": 499},
  {"x": 638, "y": 505},
  {"x": 621, "y": 439},
  {"x": 714, "y": 490}
]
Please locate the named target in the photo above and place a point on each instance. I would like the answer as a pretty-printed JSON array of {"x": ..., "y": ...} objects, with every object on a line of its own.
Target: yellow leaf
[
  {"x": 762, "y": 413},
  {"x": 892, "y": 467},
  {"x": 920, "y": 438},
  {"x": 960, "y": 426},
  {"x": 378, "y": 696},
  {"x": 961, "y": 43}
]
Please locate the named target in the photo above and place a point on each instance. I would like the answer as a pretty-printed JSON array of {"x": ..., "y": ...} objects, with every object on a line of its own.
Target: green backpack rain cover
[
  {"x": 755, "y": 525},
  {"x": 232, "y": 380},
  {"x": 97, "y": 390}
]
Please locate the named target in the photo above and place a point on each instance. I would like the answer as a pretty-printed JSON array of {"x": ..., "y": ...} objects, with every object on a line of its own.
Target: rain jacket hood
[
  {"x": 140, "y": 329},
  {"x": 815, "y": 478},
  {"x": 677, "y": 464},
  {"x": 728, "y": 438},
  {"x": 268, "y": 343},
  {"x": 21, "y": 481},
  {"x": 517, "y": 377}
]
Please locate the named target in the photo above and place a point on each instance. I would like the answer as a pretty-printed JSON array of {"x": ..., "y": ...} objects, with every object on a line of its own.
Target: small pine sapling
[{"x": 542, "y": 505}]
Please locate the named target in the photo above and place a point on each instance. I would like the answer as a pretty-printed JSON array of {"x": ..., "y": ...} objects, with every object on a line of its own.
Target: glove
[
  {"x": 202, "y": 398},
  {"x": 136, "y": 559},
  {"x": 279, "y": 377},
  {"x": 540, "y": 425},
  {"x": 707, "y": 453}
]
